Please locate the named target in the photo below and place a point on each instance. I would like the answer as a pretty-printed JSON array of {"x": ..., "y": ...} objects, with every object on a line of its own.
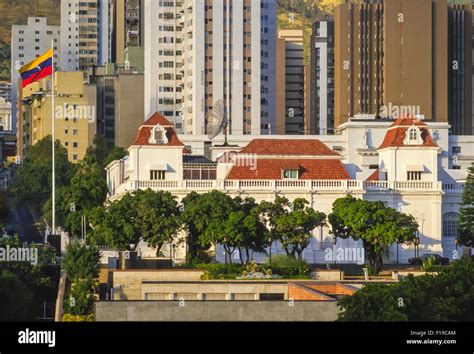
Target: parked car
[{"x": 438, "y": 260}]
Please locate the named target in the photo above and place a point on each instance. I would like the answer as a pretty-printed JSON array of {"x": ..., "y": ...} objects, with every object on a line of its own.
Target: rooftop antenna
[{"x": 218, "y": 121}]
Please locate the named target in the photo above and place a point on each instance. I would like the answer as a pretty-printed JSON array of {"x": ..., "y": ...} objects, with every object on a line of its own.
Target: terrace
[{"x": 290, "y": 186}]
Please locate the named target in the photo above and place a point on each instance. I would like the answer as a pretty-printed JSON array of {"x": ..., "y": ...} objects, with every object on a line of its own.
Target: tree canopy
[
  {"x": 32, "y": 184},
  {"x": 372, "y": 222},
  {"x": 447, "y": 296},
  {"x": 291, "y": 224},
  {"x": 466, "y": 212},
  {"x": 153, "y": 216}
]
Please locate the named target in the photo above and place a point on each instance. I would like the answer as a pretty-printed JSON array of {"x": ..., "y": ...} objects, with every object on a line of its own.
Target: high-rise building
[
  {"x": 28, "y": 42},
  {"x": 119, "y": 102},
  {"x": 6, "y": 90},
  {"x": 460, "y": 73},
  {"x": 404, "y": 56},
  {"x": 74, "y": 113},
  {"x": 322, "y": 78},
  {"x": 200, "y": 52},
  {"x": 164, "y": 60},
  {"x": 127, "y": 27},
  {"x": 290, "y": 84},
  {"x": 85, "y": 34}
]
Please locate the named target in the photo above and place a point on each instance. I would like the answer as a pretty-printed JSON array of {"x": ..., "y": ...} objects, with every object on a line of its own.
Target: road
[{"x": 23, "y": 223}]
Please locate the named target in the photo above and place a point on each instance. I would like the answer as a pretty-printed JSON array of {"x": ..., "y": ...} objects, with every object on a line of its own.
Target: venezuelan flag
[{"x": 38, "y": 69}]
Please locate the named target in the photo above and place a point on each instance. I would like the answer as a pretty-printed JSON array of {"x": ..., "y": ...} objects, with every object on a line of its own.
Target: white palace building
[{"x": 414, "y": 166}]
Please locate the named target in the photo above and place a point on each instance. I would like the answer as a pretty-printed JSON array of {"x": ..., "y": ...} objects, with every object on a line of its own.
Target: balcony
[{"x": 338, "y": 186}]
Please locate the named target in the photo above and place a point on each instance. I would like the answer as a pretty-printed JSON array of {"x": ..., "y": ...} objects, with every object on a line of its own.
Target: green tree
[
  {"x": 81, "y": 298},
  {"x": 446, "y": 296},
  {"x": 32, "y": 183},
  {"x": 216, "y": 229},
  {"x": 87, "y": 190},
  {"x": 102, "y": 153},
  {"x": 81, "y": 261},
  {"x": 249, "y": 229},
  {"x": 116, "y": 153},
  {"x": 158, "y": 214},
  {"x": 153, "y": 216},
  {"x": 99, "y": 150},
  {"x": 194, "y": 219},
  {"x": 373, "y": 223},
  {"x": 466, "y": 212},
  {"x": 15, "y": 298},
  {"x": 292, "y": 223}
]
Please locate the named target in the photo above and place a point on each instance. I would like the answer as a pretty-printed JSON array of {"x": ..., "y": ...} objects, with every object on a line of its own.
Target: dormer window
[
  {"x": 413, "y": 136},
  {"x": 290, "y": 174},
  {"x": 158, "y": 135}
]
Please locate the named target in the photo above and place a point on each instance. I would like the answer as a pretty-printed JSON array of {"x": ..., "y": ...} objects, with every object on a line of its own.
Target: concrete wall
[
  {"x": 216, "y": 311},
  {"x": 131, "y": 280}
]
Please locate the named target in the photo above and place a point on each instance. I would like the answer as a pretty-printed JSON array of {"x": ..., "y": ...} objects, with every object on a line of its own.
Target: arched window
[
  {"x": 413, "y": 136},
  {"x": 450, "y": 224},
  {"x": 158, "y": 135}
]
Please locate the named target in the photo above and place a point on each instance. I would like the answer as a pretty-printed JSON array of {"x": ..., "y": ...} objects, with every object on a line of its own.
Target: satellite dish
[{"x": 218, "y": 121}]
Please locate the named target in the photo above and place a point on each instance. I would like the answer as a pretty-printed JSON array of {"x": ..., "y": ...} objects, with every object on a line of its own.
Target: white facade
[
  {"x": 28, "y": 42},
  {"x": 85, "y": 34},
  {"x": 416, "y": 179},
  {"x": 216, "y": 50},
  {"x": 5, "y": 114}
]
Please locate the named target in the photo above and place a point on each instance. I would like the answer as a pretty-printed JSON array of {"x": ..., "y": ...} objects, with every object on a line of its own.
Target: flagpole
[{"x": 53, "y": 138}]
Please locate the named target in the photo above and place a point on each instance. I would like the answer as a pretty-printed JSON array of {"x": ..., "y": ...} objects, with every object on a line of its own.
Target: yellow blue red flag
[{"x": 38, "y": 69}]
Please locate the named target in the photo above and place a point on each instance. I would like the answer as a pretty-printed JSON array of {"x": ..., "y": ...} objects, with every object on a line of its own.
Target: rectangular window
[
  {"x": 456, "y": 149},
  {"x": 290, "y": 174},
  {"x": 413, "y": 176},
  {"x": 156, "y": 175}
]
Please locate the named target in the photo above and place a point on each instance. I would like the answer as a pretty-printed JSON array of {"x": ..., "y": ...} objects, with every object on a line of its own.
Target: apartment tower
[
  {"x": 211, "y": 50},
  {"x": 28, "y": 42},
  {"x": 402, "y": 55},
  {"x": 85, "y": 34},
  {"x": 290, "y": 82},
  {"x": 322, "y": 78},
  {"x": 127, "y": 27}
]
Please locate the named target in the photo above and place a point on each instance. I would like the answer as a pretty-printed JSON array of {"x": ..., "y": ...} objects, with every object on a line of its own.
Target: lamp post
[
  {"x": 416, "y": 242},
  {"x": 334, "y": 241},
  {"x": 398, "y": 242}
]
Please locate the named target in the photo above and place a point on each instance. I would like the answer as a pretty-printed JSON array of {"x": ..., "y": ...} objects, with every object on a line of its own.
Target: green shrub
[
  {"x": 67, "y": 317},
  {"x": 428, "y": 264},
  {"x": 81, "y": 298},
  {"x": 221, "y": 271},
  {"x": 287, "y": 266},
  {"x": 81, "y": 261}
]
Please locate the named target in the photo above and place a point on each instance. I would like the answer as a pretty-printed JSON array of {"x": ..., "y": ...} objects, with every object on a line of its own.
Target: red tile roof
[
  {"x": 288, "y": 147},
  {"x": 397, "y": 131},
  {"x": 374, "y": 176},
  {"x": 157, "y": 118},
  {"x": 309, "y": 169},
  {"x": 144, "y": 132}
]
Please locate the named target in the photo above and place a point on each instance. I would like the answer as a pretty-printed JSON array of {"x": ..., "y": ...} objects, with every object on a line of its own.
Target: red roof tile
[
  {"x": 309, "y": 169},
  {"x": 397, "y": 131},
  {"x": 157, "y": 118},
  {"x": 144, "y": 132},
  {"x": 288, "y": 147},
  {"x": 374, "y": 176}
]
